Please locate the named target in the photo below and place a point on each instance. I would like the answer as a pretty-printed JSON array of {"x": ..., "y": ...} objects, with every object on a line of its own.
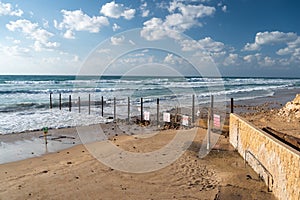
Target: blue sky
[{"x": 241, "y": 37}]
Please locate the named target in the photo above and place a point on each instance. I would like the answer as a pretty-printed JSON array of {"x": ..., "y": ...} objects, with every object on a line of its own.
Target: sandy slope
[{"x": 75, "y": 174}]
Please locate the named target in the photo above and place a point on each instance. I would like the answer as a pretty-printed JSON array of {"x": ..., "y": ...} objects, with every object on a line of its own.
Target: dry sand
[
  {"x": 285, "y": 119},
  {"x": 75, "y": 174}
]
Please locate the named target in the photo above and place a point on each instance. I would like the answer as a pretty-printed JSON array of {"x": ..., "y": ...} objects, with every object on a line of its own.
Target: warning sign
[
  {"x": 217, "y": 121},
  {"x": 166, "y": 117},
  {"x": 146, "y": 115},
  {"x": 185, "y": 120}
]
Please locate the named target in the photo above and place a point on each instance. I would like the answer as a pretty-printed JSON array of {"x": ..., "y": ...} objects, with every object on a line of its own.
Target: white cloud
[
  {"x": 116, "y": 27},
  {"x": 224, "y": 8},
  {"x": 117, "y": 40},
  {"x": 290, "y": 49},
  {"x": 116, "y": 11},
  {"x": 260, "y": 60},
  {"x": 232, "y": 59},
  {"x": 267, "y": 61},
  {"x": 15, "y": 51},
  {"x": 206, "y": 44},
  {"x": 171, "y": 59},
  {"x": 270, "y": 38},
  {"x": 251, "y": 47},
  {"x": 79, "y": 21},
  {"x": 69, "y": 34},
  {"x": 145, "y": 11},
  {"x": 6, "y": 9},
  {"x": 34, "y": 32},
  {"x": 181, "y": 18}
]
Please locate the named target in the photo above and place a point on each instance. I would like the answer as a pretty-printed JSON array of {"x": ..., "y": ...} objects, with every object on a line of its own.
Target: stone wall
[{"x": 275, "y": 162}]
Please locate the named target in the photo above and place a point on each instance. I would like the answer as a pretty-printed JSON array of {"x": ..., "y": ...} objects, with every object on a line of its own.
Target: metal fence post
[
  {"x": 210, "y": 119},
  {"x": 70, "y": 103},
  {"x": 115, "y": 114},
  {"x": 50, "y": 100},
  {"x": 79, "y": 104},
  {"x": 157, "y": 111},
  {"x": 102, "y": 102},
  {"x": 193, "y": 109},
  {"x": 128, "y": 113},
  {"x": 231, "y": 105},
  {"x": 142, "y": 112},
  {"x": 89, "y": 104}
]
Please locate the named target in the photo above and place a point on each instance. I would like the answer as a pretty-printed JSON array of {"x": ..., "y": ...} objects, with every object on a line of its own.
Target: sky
[{"x": 249, "y": 38}]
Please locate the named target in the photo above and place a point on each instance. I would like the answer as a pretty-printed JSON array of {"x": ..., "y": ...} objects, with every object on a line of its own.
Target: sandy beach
[{"x": 75, "y": 173}]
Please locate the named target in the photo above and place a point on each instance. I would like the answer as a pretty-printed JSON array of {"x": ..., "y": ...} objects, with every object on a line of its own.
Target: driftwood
[{"x": 288, "y": 139}]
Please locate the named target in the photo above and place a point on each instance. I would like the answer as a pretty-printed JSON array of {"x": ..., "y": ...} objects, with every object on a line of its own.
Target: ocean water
[{"x": 25, "y": 105}]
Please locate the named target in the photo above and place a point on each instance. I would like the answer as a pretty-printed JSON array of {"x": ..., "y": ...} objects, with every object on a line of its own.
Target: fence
[{"x": 185, "y": 116}]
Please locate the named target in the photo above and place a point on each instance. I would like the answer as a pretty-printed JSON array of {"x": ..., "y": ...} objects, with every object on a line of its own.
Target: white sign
[
  {"x": 217, "y": 121},
  {"x": 146, "y": 115},
  {"x": 185, "y": 120},
  {"x": 167, "y": 117}
]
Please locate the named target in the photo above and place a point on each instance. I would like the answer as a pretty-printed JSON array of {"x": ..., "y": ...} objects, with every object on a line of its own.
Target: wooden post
[
  {"x": 50, "y": 100},
  {"x": 102, "y": 103},
  {"x": 89, "y": 104},
  {"x": 115, "y": 114},
  {"x": 79, "y": 104},
  {"x": 59, "y": 101},
  {"x": 157, "y": 111},
  {"x": 128, "y": 117},
  {"x": 70, "y": 103},
  {"x": 193, "y": 109},
  {"x": 142, "y": 112},
  {"x": 231, "y": 105}
]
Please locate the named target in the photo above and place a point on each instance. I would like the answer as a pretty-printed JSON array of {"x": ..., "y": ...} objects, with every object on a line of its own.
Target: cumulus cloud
[
  {"x": 259, "y": 59},
  {"x": 267, "y": 61},
  {"x": 34, "y": 32},
  {"x": 69, "y": 34},
  {"x": 181, "y": 18},
  {"x": 232, "y": 59},
  {"x": 78, "y": 21},
  {"x": 291, "y": 48},
  {"x": 117, "y": 40},
  {"x": 206, "y": 44},
  {"x": 270, "y": 38},
  {"x": 116, "y": 11},
  {"x": 6, "y": 9}
]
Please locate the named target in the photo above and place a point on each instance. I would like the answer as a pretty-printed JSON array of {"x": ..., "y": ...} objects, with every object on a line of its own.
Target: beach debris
[
  {"x": 45, "y": 130},
  {"x": 291, "y": 110},
  {"x": 288, "y": 139}
]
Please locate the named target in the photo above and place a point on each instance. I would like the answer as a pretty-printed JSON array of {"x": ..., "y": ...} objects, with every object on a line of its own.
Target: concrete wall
[{"x": 277, "y": 163}]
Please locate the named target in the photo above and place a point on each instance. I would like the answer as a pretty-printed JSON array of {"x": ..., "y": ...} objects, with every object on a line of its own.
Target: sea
[{"x": 25, "y": 100}]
